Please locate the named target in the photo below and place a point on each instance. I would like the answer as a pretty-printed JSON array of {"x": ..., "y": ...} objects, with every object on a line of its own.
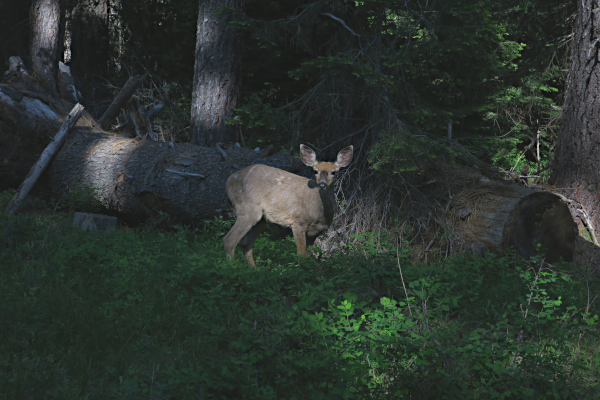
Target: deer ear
[
  {"x": 344, "y": 157},
  {"x": 308, "y": 156}
]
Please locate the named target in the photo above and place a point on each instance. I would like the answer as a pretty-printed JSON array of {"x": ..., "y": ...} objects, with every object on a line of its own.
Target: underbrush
[{"x": 132, "y": 314}]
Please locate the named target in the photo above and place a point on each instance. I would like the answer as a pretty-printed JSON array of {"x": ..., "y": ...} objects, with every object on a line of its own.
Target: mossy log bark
[{"x": 498, "y": 217}]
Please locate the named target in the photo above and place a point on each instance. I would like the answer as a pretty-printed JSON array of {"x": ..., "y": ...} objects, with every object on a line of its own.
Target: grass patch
[{"x": 131, "y": 314}]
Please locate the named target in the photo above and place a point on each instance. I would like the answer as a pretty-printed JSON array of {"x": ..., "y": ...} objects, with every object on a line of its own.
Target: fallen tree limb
[
  {"x": 154, "y": 111},
  {"x": 122, "y": 98},
  {"x": 185, "y": 173}
]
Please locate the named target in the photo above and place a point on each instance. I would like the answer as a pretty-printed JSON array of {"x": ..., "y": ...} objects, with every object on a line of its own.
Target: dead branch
[{"x": 122, "y": 98}]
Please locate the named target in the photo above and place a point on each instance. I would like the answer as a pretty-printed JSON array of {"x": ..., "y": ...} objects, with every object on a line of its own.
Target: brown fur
[{"x": 260, "y": 193}]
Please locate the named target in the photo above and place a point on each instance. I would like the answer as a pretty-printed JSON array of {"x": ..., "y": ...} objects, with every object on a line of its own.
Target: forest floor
[{"x": 161, "y": 314}]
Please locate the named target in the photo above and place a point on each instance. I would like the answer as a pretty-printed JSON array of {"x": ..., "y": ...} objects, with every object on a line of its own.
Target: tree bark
[
  {"x": 47, "y": 32},
  {"x": 45, "y": 159},
  {"x": 577, "y": 163},
  {"x": 216, "y": 75}
]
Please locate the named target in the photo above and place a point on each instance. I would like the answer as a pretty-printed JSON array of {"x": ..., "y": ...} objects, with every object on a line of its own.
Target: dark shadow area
[{"x": 541, "y": 218}]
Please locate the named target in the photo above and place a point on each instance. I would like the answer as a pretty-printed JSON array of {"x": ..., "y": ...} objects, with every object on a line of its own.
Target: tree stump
[{"x": 88, "y": 221}]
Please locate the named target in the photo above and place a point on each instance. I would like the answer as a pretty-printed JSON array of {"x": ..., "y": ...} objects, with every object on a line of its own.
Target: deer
[{"x": 260, "y": 193}]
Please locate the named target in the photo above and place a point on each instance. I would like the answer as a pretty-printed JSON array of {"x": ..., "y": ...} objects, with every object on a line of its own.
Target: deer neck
[{"x": 328, "y": 200}]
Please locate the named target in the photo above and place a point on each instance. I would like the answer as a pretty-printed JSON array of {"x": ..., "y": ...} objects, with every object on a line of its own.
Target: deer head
[{"x": 325, "y": 171}]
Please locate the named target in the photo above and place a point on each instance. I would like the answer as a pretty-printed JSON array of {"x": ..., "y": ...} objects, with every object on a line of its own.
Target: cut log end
[
  {"x": 541, "y": 218},
  {"x": 511, "y": 216}
]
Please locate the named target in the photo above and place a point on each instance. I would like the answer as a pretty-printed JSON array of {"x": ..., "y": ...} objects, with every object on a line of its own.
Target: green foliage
[
  {"x": 526, "y": 110},
  {"x": 429, "y": 65},
  {"x": 394, "y": 149},
  {"x": 82, "y": 197},
  {"x": 5, "y": 198},
  {"x": 399, "y": 72},
  {"x": 258, "y": 111},
  {"x": 149, "y": 314}
]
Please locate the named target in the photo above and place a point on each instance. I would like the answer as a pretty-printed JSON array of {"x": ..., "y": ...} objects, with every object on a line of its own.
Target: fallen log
[
  {"x": 45, "y": 159},
  {"x": 497, "y": 217},
  {"x": 135, "y": 178},
  {"x": 138, "y": 178}
]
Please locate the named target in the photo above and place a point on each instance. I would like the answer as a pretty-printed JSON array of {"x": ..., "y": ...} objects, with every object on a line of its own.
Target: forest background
[
  {"x": 468, "y": 82},
  {"x": 383, "y": 72}
]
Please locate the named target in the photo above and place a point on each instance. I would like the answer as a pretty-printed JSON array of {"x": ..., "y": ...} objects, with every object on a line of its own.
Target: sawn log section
[{"x": 504, "y": 216}]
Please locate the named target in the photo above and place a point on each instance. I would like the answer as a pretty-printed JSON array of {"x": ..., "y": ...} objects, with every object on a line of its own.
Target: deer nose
[{"x": 322, "y": 186}]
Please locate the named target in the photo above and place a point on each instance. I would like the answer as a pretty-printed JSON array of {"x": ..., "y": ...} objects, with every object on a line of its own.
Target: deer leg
[
  {"x": 300, "y": 238},
  {"x": 246, "y": 220},
  {"x": 247, "y": 241}
]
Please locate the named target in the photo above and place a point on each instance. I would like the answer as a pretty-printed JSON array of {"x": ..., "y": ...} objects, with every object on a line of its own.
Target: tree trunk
[
  {"x": 47, "y": 32},
  {"x": 216, "y": 75},
  {"x": 577, "y": 163},
  {"x": 90, "y": 44}
]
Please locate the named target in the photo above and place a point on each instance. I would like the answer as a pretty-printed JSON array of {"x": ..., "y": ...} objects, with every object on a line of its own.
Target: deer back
[{"x": 283, "y": 198}]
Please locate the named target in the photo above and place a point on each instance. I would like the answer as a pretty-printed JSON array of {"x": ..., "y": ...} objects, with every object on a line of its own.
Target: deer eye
[
  {"x": 316, "y": 172},
  {"x": 332, "y": 173}
]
